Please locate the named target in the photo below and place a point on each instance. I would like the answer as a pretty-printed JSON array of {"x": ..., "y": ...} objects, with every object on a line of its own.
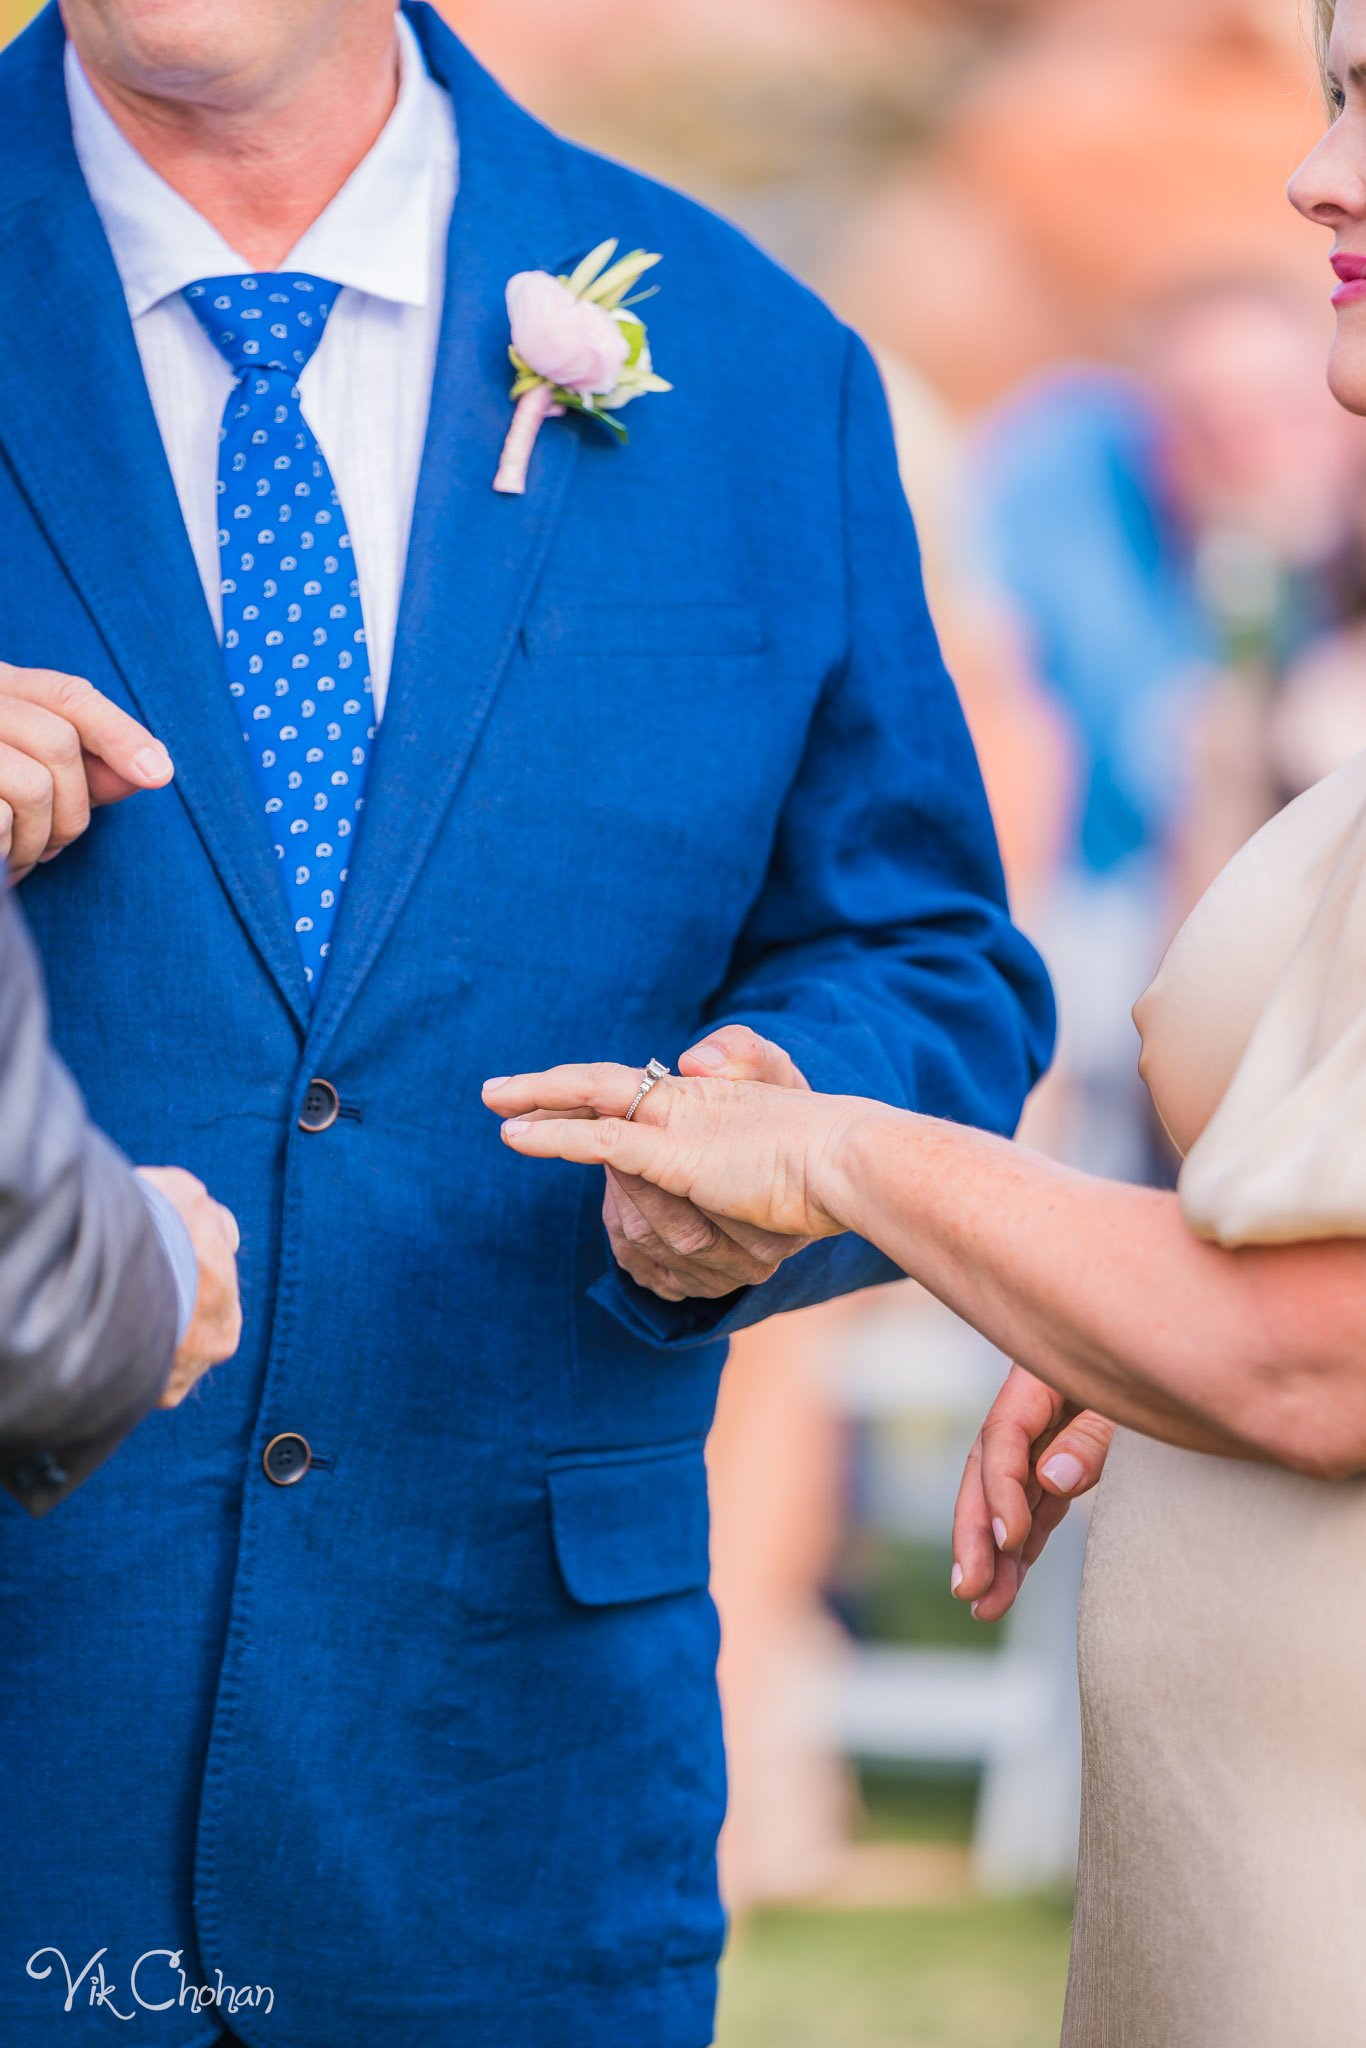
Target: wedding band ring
[{"x": 654, "y": 1074}]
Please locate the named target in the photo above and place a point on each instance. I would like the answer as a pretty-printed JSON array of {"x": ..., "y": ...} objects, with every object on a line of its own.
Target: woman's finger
[
  {"x": 1075, "y": 1459},
  {"x": 974, "y": 1551},
  {"x": 600, "y": 1086},
  {"x": 1001, "y": 1594},
  {"x": 1020, "y": 1414},
  {"x": 1051, "y": 1511},
  {"x": 632, "y": 1148}
]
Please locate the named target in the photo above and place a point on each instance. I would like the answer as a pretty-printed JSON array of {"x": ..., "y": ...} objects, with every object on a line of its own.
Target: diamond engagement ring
[{"x": 654, "y": 1074}]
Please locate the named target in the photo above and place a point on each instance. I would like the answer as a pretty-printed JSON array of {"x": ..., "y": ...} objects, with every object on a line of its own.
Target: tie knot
[{"x": 272, "y": 321}]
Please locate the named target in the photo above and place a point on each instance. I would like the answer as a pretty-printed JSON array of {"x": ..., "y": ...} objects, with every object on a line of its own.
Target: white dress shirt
[{"x": 367, "y": 389}]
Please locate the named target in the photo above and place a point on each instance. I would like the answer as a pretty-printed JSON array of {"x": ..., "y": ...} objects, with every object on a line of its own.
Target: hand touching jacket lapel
[
  {"x": 81, "y": 434},
  {"x": 77, "y": 425}
]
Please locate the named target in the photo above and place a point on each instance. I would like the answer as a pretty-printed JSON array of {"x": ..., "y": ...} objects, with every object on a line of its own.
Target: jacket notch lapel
[
  {"x": 79, "y": 430},
  {"x": 475, "y": 555}
]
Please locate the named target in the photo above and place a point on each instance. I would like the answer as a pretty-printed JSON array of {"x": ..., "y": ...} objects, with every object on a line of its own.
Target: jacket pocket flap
[{"x": 631, "y": 1525}]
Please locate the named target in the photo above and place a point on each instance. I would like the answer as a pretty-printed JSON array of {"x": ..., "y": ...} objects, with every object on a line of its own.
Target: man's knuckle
[
  {"x": 690, "y": 1237},
  {"x": 637, "y": 1231},
  {"x": 68, "y": 694},
  {"x": 64, "y": 747},
  {"x": 31, "y": 782}
]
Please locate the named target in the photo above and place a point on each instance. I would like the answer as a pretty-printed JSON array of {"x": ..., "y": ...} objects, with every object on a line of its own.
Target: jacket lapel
[
  {"x": 474, "y": 555},
  {"x": 84, "y": 443},
  {"x": 78, "y": 428}
]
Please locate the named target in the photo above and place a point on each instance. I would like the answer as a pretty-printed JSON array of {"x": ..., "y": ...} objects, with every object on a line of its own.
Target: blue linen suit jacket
[{"x": 427, "y": 1745}]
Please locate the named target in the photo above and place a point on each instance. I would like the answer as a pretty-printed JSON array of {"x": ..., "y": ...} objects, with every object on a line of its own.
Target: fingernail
[
  {"x": 708, "y": 1055},
  {"x": 1065, "y": 1472},
  {"x": 153, "y": 762},
  {"x": 973, "y": 1609},
  {"x": 999, "y": 1531},
  {"x": 955, "y": 1578},
  {"x": 499, "y": 1081},
  {"x": 516, "y": 1127}
]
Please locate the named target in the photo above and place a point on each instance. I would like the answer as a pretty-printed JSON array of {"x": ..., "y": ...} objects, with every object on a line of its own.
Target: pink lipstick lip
[
  {"x": 1351, "y": 269},
  {"x": 1349, "y": 293}
]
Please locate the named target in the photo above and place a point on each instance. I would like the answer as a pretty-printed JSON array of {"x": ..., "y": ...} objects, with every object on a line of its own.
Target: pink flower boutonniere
[{"x": 577, "y": 345}]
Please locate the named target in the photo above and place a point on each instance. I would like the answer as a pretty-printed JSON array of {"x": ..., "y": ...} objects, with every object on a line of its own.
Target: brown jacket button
[
  {"x": 286, "y": 1459},
  {"x": 321, "y": 1106}
]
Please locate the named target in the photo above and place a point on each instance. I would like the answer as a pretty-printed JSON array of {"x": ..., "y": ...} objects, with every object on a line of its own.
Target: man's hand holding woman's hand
[
  {"x": 749, "y": 1169},
  {"x": 668, "y": 1244},
  {"x": 760, "y": 1162}
]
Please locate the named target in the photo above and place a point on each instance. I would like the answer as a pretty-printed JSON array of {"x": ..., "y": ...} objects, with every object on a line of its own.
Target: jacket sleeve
[
  {"x": 88, "y": 1305},
  {"x": 880, "y": 952}
]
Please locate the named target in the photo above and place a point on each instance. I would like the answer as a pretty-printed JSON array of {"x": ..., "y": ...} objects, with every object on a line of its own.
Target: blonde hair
[{"x": 1324, "y": 11}]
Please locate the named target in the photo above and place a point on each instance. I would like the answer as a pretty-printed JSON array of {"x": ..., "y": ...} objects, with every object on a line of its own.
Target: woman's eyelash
[{"x": 1337, "y": 98}]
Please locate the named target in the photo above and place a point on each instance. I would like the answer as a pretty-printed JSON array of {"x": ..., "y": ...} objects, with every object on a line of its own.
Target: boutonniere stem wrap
[{"x": 578, "y": 345}]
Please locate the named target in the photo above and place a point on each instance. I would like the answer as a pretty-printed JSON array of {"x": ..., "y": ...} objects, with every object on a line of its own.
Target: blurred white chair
[{"x": 1012, "y": 1710}]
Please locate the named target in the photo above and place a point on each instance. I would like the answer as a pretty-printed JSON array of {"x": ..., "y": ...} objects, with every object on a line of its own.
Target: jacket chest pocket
[{"x": 650, "y": 633}]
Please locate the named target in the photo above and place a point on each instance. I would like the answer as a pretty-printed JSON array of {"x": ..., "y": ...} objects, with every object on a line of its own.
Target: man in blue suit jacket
[{"x": 375, "y": 1691}]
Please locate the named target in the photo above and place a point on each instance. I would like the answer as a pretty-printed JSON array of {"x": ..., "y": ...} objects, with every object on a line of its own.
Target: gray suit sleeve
[{"x": 88, "y": 1308}]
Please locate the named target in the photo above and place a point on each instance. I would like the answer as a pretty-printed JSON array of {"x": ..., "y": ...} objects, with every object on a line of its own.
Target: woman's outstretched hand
[
  {"x": 1034, "y": 1455},
  {"x": 773, "y": 1158}
]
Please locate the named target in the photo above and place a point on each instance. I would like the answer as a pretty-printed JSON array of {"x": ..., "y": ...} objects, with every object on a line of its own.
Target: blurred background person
[{"x": 1173, "y": 533}]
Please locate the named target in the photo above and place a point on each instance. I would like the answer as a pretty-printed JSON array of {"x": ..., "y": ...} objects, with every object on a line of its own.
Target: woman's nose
[{"x": 1330, "y": 185}]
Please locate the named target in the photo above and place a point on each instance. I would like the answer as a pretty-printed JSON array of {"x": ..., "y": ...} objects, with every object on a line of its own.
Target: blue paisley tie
[{"x": 293, "y": 630}]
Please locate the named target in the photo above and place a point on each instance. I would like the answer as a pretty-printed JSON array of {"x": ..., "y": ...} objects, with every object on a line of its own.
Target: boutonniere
[{"x": 578, "y": 345}]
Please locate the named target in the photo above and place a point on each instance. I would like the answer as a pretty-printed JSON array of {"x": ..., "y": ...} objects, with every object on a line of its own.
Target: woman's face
[{"x": 1329, "y": 188}]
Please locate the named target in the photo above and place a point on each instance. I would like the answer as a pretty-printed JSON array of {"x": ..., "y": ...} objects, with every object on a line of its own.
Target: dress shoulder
[{"x": 1255, "y": 1030}]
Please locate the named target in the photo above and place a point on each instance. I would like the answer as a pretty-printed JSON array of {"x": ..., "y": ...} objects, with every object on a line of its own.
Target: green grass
[{"x": 965, "y": 1976}]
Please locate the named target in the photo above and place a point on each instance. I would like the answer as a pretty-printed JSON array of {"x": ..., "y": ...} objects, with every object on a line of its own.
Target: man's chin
[{"x": 164, "y": 50}]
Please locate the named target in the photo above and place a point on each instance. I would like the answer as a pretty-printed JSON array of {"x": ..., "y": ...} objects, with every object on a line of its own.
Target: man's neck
[{"x": 261, "y": 165}]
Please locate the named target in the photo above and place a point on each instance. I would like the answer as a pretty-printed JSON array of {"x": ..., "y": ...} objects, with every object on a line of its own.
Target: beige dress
[{"x": 1222, "y": 1894}]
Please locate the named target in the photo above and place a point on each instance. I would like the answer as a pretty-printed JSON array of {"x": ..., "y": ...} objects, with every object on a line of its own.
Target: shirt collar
[{"x": 374, "y": 236}]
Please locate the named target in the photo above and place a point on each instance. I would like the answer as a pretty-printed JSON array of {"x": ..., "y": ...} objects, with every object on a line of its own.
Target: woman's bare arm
[
  {"x": 1102, "y": 1291},
  {"x": 1098, "y": 1288}
]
